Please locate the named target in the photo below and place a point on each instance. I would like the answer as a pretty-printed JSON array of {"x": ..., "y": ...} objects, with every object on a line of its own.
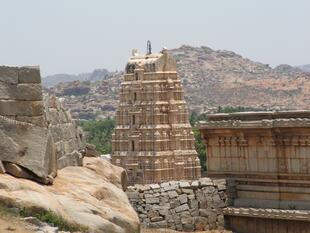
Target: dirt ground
[
  {"x": 13, "y": 225},
  {"x": 147, "y": 230},
  {"x": 10, "y": 224}
]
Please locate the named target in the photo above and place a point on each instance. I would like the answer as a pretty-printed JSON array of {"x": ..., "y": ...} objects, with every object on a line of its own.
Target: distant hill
[
  {"x": 214, "y": 78},
  {"x": 305, "y": 68},
  {"x": 53, "y": 80},
  {"x": 211, "y": 78}
]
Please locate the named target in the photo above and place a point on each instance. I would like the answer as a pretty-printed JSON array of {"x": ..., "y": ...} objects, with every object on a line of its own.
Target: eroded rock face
[{"x": 90, "y": 195}]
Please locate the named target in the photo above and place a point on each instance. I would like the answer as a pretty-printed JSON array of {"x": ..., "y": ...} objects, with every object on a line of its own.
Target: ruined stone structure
[
  {"x": 266, "y": 156},
  {"x": 68, "y": 138},
  {"x": 153, "y": 139},
  {"x": 180, "y": 205},
  {"x": 30, "y": 145}
]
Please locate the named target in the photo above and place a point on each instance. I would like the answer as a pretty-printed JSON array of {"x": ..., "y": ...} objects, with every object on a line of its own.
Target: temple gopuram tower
[{"x": 153, "y": 139}]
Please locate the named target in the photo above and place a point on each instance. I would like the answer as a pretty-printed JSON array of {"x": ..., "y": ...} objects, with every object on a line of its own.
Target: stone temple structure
[
  {"x": 265, "y": 157},
  {"x": 153, "y": 139}
]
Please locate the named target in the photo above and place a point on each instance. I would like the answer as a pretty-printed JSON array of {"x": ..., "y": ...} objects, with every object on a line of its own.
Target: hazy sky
[{"x": 73, "y": 36}]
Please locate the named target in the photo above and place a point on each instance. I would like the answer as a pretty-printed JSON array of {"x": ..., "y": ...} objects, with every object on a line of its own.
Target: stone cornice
[
  {"x": 302, "y": 215},
  {"x": 264, "y": 123}
]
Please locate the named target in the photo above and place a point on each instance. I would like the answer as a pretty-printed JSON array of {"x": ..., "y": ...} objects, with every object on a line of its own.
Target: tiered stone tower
[{"x": 153, "y": 139}]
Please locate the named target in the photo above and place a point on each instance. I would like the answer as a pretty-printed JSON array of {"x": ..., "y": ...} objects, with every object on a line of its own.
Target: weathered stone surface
[
  {"x": 154, "y": 186},
  {"x": 2, "y": 169},
  {"x": 181, "y": 208},
  {"x": 30, "y": 92},
  {"x": 201, "y": 223},
  {"x": 91, "y": 151},
  {"x": 157, "y": 219},
  {"x": 193, "y": 204},
  {"x": 195, "y": 184},
  {"x": 115, "y": 175},
  {"x": 21, "y": 108},
  {"x": 29, "y": 74},
  {"x": 205, "y": 182},
  {"x": 133, "y": 195},
  {"x": 70, "y": 159},
  {"x": 8, "y": 74},
  {"x": 164, "y": 211},
  {"x": 187, "y": 191},
  {"x": 36, "y": 120},
  {"x": 206, "y": 212},
  {"x": 171, "y": 187},
  {"x": 184, "y": 184},
  {"x": 172, "y": 194},
  {"x": 161, "y": 224},
  {"x": 186, "y": 209},
  {"x": 183, "y": 198},
  {"x": 152, "y": 200},
  {"x": 27, "y": 145},
  {"x": 80, "y": 195},
  {"x": 68, "y": 138}
]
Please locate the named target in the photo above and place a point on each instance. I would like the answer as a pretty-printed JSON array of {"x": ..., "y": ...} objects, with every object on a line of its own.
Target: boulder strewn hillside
[
  {"x": 52, "y": 80},
  {"x": 223, "y": 78},
  {"x": 305, "y": 68},
  {"x": 211, "y": 78}
]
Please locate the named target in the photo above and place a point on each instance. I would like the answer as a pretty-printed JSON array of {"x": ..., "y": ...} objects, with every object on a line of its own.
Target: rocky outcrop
[
  {"x": 90, "y": 196},
  {"x": 39, "y": 140},
  {"x": 181, "y": 205},
  {"x": 91, "y": 151}
]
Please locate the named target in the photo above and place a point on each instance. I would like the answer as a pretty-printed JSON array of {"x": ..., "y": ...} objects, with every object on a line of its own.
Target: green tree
[
  {"x": 99, "y": 133},
  {"x": 199, "y": 146}
]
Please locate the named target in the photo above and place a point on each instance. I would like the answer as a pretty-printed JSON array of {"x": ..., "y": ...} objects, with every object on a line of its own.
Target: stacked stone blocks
[
  {"x": 21, "y": 94},
  {"x": 180, "y": 205}
]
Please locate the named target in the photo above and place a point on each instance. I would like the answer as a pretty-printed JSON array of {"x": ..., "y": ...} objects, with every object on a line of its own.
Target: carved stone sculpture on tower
[{"x": 153, "y": 139}]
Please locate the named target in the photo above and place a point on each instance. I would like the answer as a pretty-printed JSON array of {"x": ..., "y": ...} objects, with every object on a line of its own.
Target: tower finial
[{"x": 148, "y": 48}]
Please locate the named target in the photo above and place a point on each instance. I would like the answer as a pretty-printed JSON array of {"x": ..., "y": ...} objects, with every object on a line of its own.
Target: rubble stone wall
[{"x": 181, "y": 205}]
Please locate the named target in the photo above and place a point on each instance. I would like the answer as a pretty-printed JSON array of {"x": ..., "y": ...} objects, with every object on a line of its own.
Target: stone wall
[
  {"x": 67, "y": 136},
  {"x": 180, "y": 205},
  {"x": 21, "y": 94}
]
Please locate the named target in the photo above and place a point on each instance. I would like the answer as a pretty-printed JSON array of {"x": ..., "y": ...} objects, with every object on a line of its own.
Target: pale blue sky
[{"x": 73, "y": 36}]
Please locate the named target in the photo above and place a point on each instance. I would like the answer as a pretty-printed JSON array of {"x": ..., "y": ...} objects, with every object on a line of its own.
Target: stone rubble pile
[{"x": 181, "y": 205}]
